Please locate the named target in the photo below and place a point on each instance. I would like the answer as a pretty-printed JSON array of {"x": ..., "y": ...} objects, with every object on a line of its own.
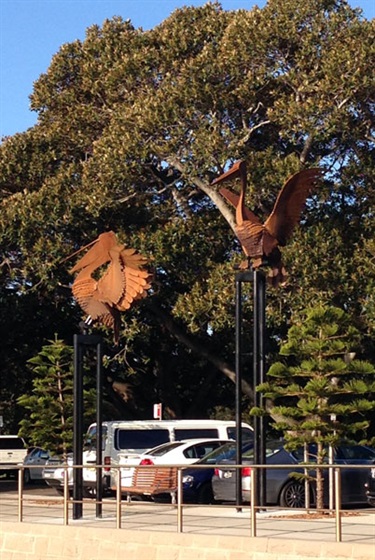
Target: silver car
[
  {"x": 34, "y": 464},
  {"x": 282, "y": 488}
]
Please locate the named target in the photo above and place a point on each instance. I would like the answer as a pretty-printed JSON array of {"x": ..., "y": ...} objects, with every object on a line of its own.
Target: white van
[{"x": 124, "y": 441}]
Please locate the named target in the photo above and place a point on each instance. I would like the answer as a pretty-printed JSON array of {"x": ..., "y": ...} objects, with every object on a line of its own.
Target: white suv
[{"x": 12, "y": 453}]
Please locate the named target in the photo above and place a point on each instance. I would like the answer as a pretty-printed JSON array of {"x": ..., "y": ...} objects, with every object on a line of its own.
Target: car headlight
[{"x": 188, "y": 479}]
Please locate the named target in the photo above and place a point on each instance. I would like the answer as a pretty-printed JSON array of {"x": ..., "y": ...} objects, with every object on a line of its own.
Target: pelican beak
[
  {"x": 238, "y": 169},
  {"x": 79, "y": 250}
]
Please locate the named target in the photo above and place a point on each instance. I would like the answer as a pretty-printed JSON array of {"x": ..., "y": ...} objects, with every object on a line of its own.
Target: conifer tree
[
  {"x": 321, "y": 394},
  {"x": 49, "y": 423}
]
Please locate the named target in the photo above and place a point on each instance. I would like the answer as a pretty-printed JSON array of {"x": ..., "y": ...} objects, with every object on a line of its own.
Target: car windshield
[
  {"x": 272, "y": 447},
  {"x": 11, "y": 443},
  {"x": 225, "y": 452},
  {"x": 165, "y": 448},
  {"x": 89, "y": 441},
  {"x": 357, "y": 452},
  {"x": 341, "y": 452}
]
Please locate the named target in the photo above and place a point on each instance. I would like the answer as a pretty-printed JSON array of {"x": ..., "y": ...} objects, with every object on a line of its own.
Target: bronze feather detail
[
  {"x": 260, "y": 241},
  {"x": 122, "y": 282}
]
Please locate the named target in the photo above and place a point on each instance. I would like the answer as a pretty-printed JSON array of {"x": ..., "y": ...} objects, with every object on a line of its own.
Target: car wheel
[
  {"x": 293, "y": 495},
  {"x": 60, "y": 491},
  {"x": 26, "y": 476},
  {"x": 89, "y": 492},
  {"x": 206, "y": 496}
]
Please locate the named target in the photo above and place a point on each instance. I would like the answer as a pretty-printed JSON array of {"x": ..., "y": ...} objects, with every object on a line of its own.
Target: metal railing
[{"x": 119, "y": 502}]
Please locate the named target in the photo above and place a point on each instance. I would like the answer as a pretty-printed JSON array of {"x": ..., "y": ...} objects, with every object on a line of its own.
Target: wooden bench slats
[{"x": 151, "y": 481}]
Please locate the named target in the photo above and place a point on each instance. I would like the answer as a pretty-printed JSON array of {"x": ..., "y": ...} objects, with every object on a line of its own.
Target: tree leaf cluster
[{"x": 132, "y": 128}]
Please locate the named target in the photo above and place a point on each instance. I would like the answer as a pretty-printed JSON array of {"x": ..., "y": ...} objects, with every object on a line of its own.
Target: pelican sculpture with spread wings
[
  {"x": 260, "y": 241},
  {"x": 103, "y": 296}
]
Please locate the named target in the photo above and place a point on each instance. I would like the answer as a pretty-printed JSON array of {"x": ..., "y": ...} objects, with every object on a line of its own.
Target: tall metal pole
[
  {"x": 238, "y": 365},
  {"x": 99, "y": 431},
  {"x": 262, "y": 379},
  {"x": 258, "y": 279},
  {"x": 78, "y": 428},
  {"x": 259, "y": 290},
  {"x": 80, "y": 342}
]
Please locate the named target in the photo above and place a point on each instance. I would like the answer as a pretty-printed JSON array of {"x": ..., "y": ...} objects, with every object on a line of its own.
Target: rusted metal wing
[
  {"x": 110, "y": 279},
  {"x": 259, "y": 241}
]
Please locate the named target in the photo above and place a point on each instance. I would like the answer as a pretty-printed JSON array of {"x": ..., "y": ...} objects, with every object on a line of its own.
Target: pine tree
[
  {"x": 50, "y": 420},
  {"x": 321, "y": 393}
]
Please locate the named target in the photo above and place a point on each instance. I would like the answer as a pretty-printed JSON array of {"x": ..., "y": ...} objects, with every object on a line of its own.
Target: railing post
[
  {"x": 253, "y": 497},
  {"x": 20, "y": 494},
  {"x": 66, "y": 495},
  {"x": 338, "y": 504},
  {"x": 179, "y": 499},
  {"x": 118, "y": 499}
]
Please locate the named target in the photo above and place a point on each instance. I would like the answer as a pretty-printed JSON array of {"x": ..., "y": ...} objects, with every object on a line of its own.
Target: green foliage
[
  {"x": 321, "y": 394},
  {"x": 48, "y": 422},
  {"x": 322, "y": 385},
  {"x": 132, "y": 127}
]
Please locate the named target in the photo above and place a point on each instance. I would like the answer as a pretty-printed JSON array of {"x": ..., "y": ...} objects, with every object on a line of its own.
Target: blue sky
[{"x": 32, "y": 31}]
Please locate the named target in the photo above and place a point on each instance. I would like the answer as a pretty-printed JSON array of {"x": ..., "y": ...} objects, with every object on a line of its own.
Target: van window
[
  {"x": 140, "y": 439},
  {"x": 11, "y": 443},
  {"x": 247, "y": 435},
  {"x": 90, "y": 438},
  {"x": 193, "y": 433}
]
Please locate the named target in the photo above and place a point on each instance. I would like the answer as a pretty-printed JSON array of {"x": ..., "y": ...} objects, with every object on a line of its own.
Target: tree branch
[
  {"x": 196, "y": 346},
  {"x": 211, "y": 192}
]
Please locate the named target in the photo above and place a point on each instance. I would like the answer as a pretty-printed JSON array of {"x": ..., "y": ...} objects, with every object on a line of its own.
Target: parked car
[
  {"x": 13, "y": 451},
  {"x": 197, "y": 486},
  {"x": 36, "y": 458},
  {"x": 171, "y": 453},
  {"x": 53, "y": 474},
  {"x": 285, "y": 490},
  {"x": 131, "y": 438},
  {"x": 370, "y": 486}
]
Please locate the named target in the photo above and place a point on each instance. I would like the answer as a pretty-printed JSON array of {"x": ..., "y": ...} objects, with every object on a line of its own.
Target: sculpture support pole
[
  {"x": 258, "y": 280},
  {"x": 99, "y": 431},
  {"x": 77, "y": 428},
  {"x": 259, "y": 303},
  {"x": 238, "y": 365},
  {"x": 241, "y": 277},
  {"x": 80, "y": 342}
]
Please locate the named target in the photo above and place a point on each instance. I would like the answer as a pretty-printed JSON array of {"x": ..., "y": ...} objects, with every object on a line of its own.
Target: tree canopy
[{"x": 132, "y": 128}]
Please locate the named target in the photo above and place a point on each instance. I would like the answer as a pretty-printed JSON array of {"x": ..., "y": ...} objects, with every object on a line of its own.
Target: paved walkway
[{"x": 357, "y": 526}]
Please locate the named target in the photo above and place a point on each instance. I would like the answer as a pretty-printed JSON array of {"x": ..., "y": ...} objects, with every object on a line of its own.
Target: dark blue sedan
[{"x": 197, "y": 486}]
